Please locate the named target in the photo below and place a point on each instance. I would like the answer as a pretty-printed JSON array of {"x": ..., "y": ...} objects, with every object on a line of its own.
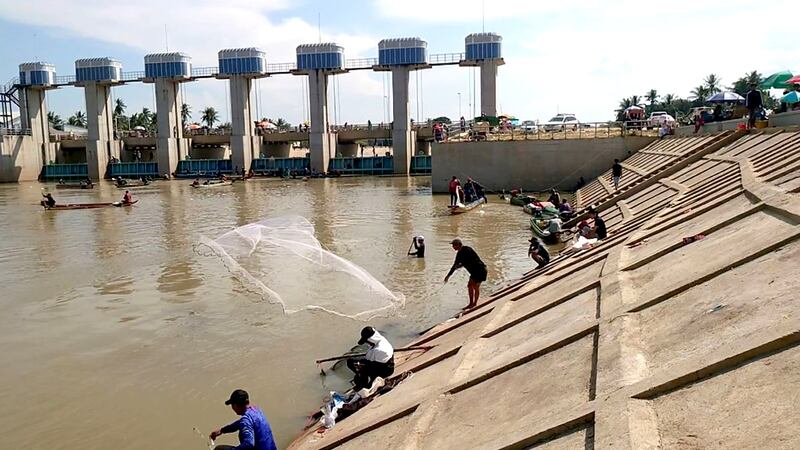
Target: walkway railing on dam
[
  {"x": 65, "y": 171},
  {"x": 585, "y": 130},
  {"x": 192, "y": 168},
  {"x": 133, "y": 169}
]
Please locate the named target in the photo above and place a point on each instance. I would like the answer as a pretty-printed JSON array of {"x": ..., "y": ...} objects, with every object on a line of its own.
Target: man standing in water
[
  {"x": 254, "y": 430},
  {"x": 468, "y": 259}
]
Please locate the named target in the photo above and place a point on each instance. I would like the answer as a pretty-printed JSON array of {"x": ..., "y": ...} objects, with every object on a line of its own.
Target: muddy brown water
[{"x": 117, "y": 333}]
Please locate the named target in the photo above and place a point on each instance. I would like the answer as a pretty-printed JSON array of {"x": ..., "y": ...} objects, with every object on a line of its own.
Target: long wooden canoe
[
  {"x": 210, "y": 185},
  {"x": 74, "y": 186},
  {"x": 469, "y": 206},
  {"x": 68, "y": 206}
]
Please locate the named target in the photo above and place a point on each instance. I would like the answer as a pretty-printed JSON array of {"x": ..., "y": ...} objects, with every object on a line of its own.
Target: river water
[{"x": 118, "y": 333}]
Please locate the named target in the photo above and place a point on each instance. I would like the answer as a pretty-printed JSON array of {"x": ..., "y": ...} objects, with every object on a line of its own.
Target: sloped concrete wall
[{"x": 531, "y": 165}]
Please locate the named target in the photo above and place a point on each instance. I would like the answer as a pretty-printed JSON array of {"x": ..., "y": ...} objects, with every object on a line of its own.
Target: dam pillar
[
  {"x": 34, "y": 79},
  {"x": 240, "y": 66},
  {"x": 484, "y": 50},
  {"x": 401, "y": 57},
  {"x": 318, "y": 61},
  {"x": 167, "y": 71},
  {"x": 97, "y": 75}
]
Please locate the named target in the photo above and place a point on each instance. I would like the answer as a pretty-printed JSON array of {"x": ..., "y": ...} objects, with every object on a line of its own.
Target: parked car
[
  {"x": 658, "y": 118},
  {"x": 562, "y": 122},
  {"x": 528, "y": 126}
]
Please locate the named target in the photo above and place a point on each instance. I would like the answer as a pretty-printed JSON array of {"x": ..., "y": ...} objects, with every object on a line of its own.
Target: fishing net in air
[{"x": 286, "y": 263}]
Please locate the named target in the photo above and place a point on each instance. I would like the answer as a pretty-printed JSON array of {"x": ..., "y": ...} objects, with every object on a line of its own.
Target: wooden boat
[
  {"x": 74, "y": 186},
  {"x": 521, "y": 200},
  {"x": 213, "y": 184},
  {"x": 131, "y": 183},
  {"x": 68, "y": 206},
  {"x": 462, "y": 209},
  {"x": 544, "y": 210},
  {"x": 539, "y": 230}
]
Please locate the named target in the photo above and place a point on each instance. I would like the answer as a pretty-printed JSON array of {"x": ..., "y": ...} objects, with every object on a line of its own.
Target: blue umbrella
[
  {"x": 725, "y": 97},
  {"x": 791, "y": 97}
]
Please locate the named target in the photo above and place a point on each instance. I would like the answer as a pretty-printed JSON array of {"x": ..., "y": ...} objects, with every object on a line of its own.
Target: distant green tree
[
  {"x": 652, "y": 97},
  {"x": 119, "y": 107},
  {"x": 700, "y": 94},
  {"x": 186, "y": 114},
  {"x": 742, "y": 85},
  {"x": 54, "y": 119},
  {"x": 210, "y": 116},
  {"x": 78, "y": 119},
  {"x": 712, "y": 83},
  {"x": 282, "y": 124}
]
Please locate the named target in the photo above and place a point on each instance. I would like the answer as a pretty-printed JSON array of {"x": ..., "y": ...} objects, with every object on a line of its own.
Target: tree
[
  {"x": 282, "y": 124},
  {"x": 54, "y": 119},
  {"x": 186, "y": 114},
  {"x": 712, "y": 83},
  {"x": 119, "y": 108},
  {"x": 210, "y": 116},
  {"x": 742, "y": 85},
  {"x": 700, "y": 94},
  {"x": 652, "y": 97},
  {"x": 78, "y": 119},
  {"x": 668, "y": 99},
  {"x": 635, "y": 100}
]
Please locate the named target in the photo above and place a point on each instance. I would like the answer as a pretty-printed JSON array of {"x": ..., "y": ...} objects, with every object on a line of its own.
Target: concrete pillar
[
  {"x": 243, "y": 138},
  {"x": 170, "y": 143},
  {"x": 347, "y": 149},
  {"x": 100, "y": 127},
  {"x": 320, "y": 139},
  {"x": 33, "y": 112},
  {"x": 402, "y": 139},
  {"x": 489, "y": 87}
]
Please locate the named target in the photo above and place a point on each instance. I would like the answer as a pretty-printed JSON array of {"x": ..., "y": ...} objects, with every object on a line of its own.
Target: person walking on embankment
[
  {"x": 467, "y": 258},
  {"x": 616, "y": 173},
  {"x": 754, "y": 103}
]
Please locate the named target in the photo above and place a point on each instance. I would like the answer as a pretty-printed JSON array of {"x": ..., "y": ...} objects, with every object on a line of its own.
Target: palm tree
[
  {"x": 625, "y": 103},
  {"x": 635, "y": 100},
  {"x": 210, "y": 116},
  {"x": 668, "y": 99},
  {"x": 652, "y": 97},
  {"x": 700, "y": 93},
  {"x": 186, "y": 114},
  {"x": 119, "y": 108},
  {"x": 78, "y": 119},
  {"x": 713, "y": 83},
  {"x": 282, "y": 124},
  {"x": 54, "y": 119}
]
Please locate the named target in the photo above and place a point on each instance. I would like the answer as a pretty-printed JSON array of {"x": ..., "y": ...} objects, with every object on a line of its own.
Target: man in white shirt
[{"x": 378, "y": 362}]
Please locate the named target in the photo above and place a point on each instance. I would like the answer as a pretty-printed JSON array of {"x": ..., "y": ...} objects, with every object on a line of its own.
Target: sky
[{"x": 579, "y": 57}]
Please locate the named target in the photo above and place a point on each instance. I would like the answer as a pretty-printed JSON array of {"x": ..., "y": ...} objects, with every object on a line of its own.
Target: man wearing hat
[
  {"x": 253, "y": 428},
  {"x": 467, "y": 258},
  {"x": 378, "y": 362}
]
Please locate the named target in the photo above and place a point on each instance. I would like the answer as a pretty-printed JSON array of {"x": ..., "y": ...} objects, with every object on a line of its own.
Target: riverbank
[{"x": 678, "y": 330}]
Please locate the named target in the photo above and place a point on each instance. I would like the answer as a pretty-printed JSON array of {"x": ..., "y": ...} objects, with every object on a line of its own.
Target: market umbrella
[
  {"x": 791, "y": 97},
  {"x": 725, "y": 97},
  {"x": 777, "y": 80},
  {"x": 793, "y": 80}
]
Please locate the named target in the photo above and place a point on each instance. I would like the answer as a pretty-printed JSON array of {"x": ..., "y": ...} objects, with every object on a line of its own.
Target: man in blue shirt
[{"x": 253, "y": 428}]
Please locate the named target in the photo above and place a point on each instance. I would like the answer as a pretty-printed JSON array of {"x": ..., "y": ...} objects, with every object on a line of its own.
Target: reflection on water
[{"x": 126, "y": 337}]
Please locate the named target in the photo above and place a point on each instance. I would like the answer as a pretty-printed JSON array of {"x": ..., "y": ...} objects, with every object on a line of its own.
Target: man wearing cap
[
  {"x": 253, "y": 428},
  {"x": 468, "y": 259},
  {"x": 378, "y": 362}
]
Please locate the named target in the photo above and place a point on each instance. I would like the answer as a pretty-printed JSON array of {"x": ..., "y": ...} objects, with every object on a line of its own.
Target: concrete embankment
[
  {"x": 535, "y": 165},
  {"x": 679, "y": 330}
]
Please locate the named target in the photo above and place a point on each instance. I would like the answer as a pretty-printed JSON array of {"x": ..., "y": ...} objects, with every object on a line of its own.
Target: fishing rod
[{"x": 356, "y": 355}]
